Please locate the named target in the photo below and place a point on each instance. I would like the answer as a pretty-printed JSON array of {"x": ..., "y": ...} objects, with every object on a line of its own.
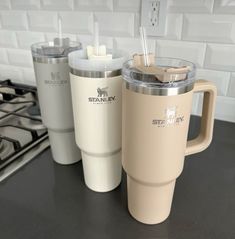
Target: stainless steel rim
[
  {"x": 51, "y": 60},
  {"x": 159, "y": 91},
  {"x": 96, "y": 74}
]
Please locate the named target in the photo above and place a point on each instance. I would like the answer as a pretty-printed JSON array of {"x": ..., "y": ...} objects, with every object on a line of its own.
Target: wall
[{"x": 202, "y": 31}]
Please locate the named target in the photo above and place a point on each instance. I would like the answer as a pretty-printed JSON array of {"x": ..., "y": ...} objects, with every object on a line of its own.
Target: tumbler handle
[{"x": 203, "y": 140}]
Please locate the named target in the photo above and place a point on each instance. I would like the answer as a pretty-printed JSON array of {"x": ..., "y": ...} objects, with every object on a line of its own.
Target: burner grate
[
  {"x": 19, "y": 115},
  {"x": 14, "y": 112},
  {"x": 15, "y": 143}
]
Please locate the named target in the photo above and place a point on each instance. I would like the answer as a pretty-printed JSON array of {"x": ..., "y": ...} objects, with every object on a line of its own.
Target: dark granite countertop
[{"x": 45, "y": 200}]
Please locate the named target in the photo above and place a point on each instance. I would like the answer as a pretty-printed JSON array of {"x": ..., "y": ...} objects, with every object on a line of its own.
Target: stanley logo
[
  {"x": 56, "y": 79},
  {"x": 171, "y": 118},
  {"x": 102, "y": 96}
]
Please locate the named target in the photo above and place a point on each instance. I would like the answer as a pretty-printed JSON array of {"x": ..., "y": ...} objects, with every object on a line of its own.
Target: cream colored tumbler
[
  {"x": 154, "y": 134},
  {"x": 97, "y": 105}
]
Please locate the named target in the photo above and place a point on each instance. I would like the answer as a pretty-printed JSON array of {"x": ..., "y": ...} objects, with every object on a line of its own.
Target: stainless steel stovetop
[{"x": 22, "y": 134}]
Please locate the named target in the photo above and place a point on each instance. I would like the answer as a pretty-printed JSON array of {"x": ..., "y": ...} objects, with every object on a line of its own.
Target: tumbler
[
  {"x": 52, "y": 77},
  {"x": 156, "y": 116},
  {"x": 97, "y": 105}
]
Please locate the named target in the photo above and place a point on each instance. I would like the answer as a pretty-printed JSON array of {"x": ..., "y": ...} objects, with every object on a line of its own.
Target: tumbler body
[
  {"x": 54, "y": 93},
  {"x": 153, "y": 151},
  {"x": 97, "y": 103}
]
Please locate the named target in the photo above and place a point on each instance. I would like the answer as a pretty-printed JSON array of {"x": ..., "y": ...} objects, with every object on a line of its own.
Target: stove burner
[{"x": 6, "y": 148}]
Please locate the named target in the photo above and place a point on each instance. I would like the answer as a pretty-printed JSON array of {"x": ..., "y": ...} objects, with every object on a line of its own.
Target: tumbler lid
[
  {"x": 54, "y": 51},
  {"x": 80, "y": 65},
  {"x": 169, "y": 78}
]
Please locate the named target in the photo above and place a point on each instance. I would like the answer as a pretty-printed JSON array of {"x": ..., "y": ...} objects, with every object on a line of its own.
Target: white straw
[
  {"x": 96, "y": 38},
  {"x": 60, "y": 27},
  {"x": 144, "y": 46}
]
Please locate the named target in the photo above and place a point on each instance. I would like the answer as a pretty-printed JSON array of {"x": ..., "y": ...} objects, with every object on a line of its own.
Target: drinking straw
[
  {"x": 96, "y": 38},
  {"x": 60, "y": 27},
  {"x": 144, "y": 45}
]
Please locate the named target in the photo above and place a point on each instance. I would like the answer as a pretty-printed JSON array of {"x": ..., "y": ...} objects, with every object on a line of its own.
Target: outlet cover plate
[{"x": 153, "y": 17}]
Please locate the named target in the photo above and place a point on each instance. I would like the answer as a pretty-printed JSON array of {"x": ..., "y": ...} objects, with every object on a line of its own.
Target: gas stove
[{"x": 22, "y": 133}]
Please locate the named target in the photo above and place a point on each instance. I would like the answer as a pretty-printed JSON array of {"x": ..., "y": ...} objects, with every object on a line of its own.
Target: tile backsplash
[{"x": 202, "y": 31}]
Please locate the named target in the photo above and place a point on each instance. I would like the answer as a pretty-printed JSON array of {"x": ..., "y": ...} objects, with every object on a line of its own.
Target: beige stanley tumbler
[{"x": 156, "y": 118}]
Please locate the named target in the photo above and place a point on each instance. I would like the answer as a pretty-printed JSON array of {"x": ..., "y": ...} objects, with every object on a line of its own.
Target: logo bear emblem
[
  {"x": 102, "y": 92},
  {"x": 55, "y": 76},
  {"x": 171, "y": 112}
]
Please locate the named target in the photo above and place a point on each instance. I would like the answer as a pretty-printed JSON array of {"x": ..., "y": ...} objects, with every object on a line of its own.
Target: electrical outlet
[
  {"x": 153, "y": 14},
  {"x": 153, "y": 17}
]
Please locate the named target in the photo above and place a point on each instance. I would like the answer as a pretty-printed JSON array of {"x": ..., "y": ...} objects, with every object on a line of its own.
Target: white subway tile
[
  {"x": 89, "y": 40},
  {"x": 52, "y": 36},
  {"x": 224, "y": 6},
  {"x": 220, "y": 78},
  {"x": 15, "y": 20},
  {"x": 132, "y": 45},
  {"x": 190, "y": 51},
  {"x": 225, "y": 108},
  {"x": 7, "y": 39},
  {"x": 116, "y": 24},
  {"x": 5, "y": 4},
  {"x": 3, "y": 56},
  {"x": 187, "y": 6},
  {"x": 25, "y": 4},
  {"x": 43, "y": 21},
  {"x": 174, "y": 24},
  {"x": 57, "y": 4},
  {"x": 196, "y": 98},
  {"x": 220, "y": 57},
  {"x": 127, "y": 5},
  {"x": 231, "y": 88},
  {"x": 91, "y": 5},
  {"x": 209, "y": 28},
  {"x": 10, "y": 72},
  {"x": 77, "y": 22},
  {"x": 20, "y": 57},
  {"x": 28, "y": 76},
  {"x": 26, "y": 39}
]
